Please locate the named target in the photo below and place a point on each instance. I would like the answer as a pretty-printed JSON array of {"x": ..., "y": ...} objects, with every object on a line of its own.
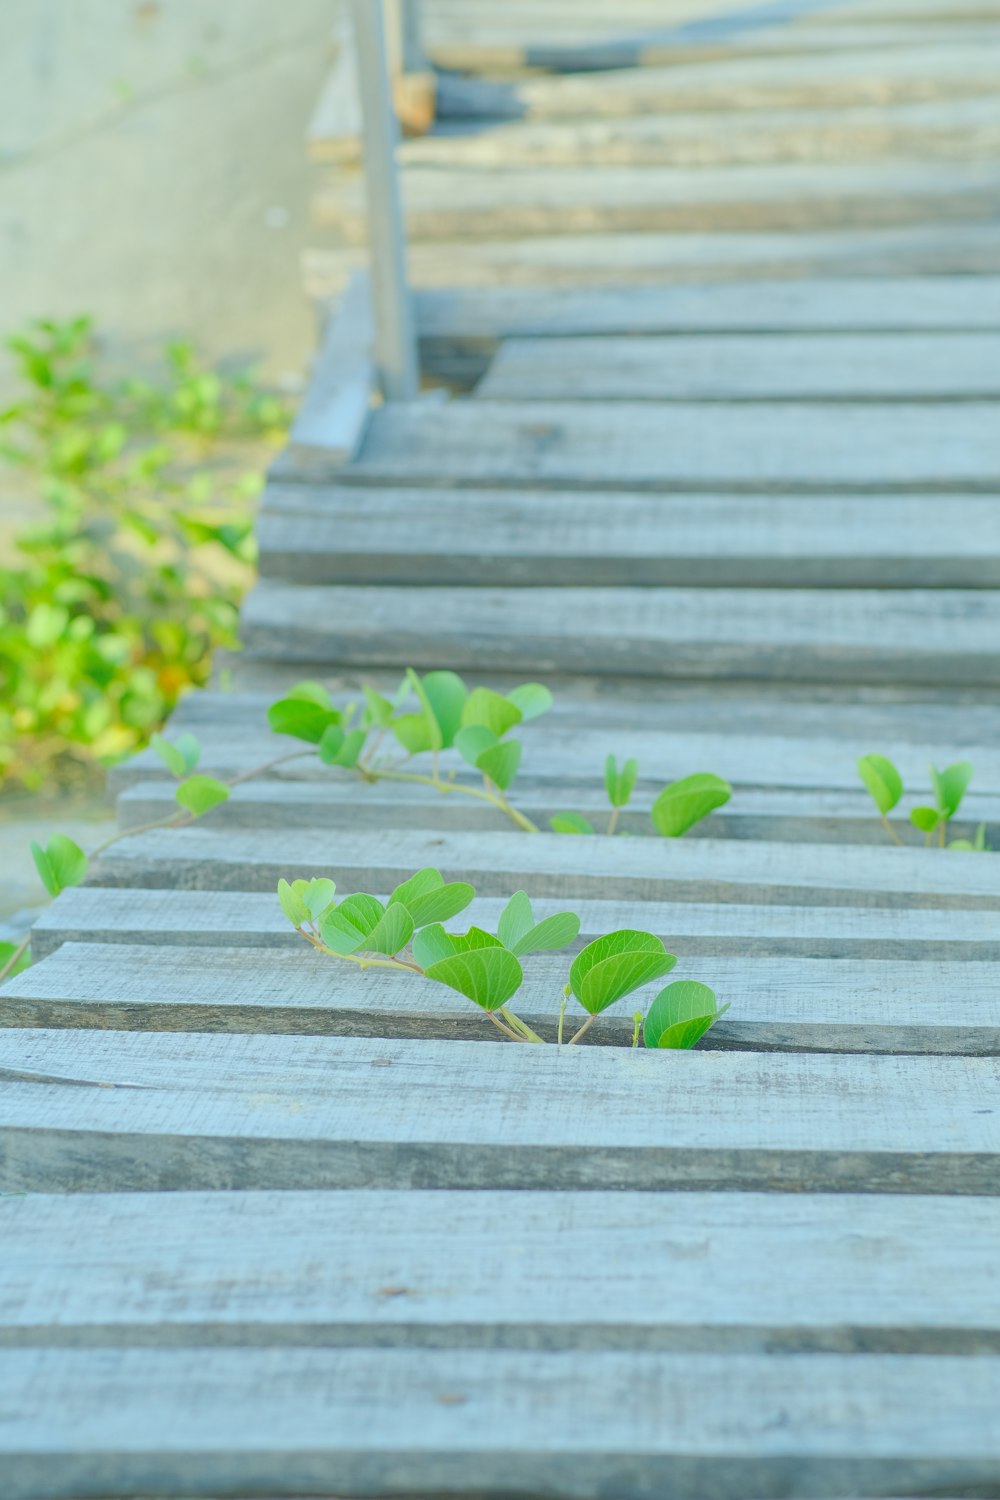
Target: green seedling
[
  {"x": 406, "y": 933},
  {"x": 885, "y": 786}
]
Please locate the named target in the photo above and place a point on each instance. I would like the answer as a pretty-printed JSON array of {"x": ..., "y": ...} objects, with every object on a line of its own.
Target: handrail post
[{"x": 395, "y": 334}]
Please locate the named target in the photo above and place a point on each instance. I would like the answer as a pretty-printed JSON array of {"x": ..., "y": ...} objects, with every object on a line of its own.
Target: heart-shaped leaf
[
  {"x": 443, "y": 696},
  {"x": 925, "y": 818},
  {"x": 418, "y": 884},
  {"x": 570, "y": 822},
  {"x": 293, "y": 902},
  {"x": 516, "y": 919},
  {"x": 199, "y": 794},
  {"x": 60, "y": 864},
  {"x": 500, "y": 762},
  {"x": 487, "y": 976},
  {"x": 301, "y": 718},
  {"x": 491, "y": 711},
  {"x": 557, "y": 931},
  {"x": 432, "y": 944},
  {"x": 615, "y": 965},
  {"x": 317, "y": 895},
  {"x": 531, "y": 700},
  {"x": 681, "y": 1014},
  {"x": 884, "y": 783},
  {"x": 950, "y": 786},
  {"x": 429, "y": 900},
  {"x": 180, "y": 756},
  {"x": 684, "y": 803},
  {"x": 620, "y": 783}
]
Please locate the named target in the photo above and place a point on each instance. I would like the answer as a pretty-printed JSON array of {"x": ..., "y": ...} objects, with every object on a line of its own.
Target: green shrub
[{"x": 132, "y": 575}]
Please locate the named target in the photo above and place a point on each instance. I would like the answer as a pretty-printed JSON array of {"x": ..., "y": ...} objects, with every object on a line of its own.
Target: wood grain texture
[
  {"x": 126, "y": 1422},
  {"x": 903, "y": 635},
  {"x": 861, "y": 447},
  {"x": 252, "y": 920},
  {"x": 550, "y": 865},
  {"x": 919, "y": 1005},
  {"x": 443, "y": 203},
  {"x": 91, "y": 1111},
  {"x": 744, "y": 367},
  {"x": 863, "y": 1275},
  {"x": 566, "y": 538}
]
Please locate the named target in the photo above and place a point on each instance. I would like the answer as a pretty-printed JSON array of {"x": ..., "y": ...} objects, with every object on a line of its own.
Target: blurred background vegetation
[{"x": 114, "y": 597}]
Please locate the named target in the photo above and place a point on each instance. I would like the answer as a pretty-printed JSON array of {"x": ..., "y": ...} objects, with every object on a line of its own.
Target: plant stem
[
  {"x": 613, "y": 820},
  {"x": 15, "y": 957},
  {"x": 511, "y": 1035},
  {"x": 516, "y": 1024},
  {"x": 578, "y": 1034},
  {"x": 890, "y": 830},
  {"x": 361, "y": 962},
  {"x": 446, "y": 788},
  {"x": 562, "y": 1017},
  {"x": 269, "y": 765}
]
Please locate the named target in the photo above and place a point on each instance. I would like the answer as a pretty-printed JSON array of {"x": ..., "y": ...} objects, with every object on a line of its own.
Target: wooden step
[
  {"x": 319, "y": 534},
  {"x": 777, "y": 1004},
  {"x": 889, "y": 636},
  {"x": 550, "y": 865},
  {"x": 563, "y": 1423},
  {"x": 860, "y": 446},
  {"x": 93, "y": 1111},
  {"x": 865, "y": 1274},
  {"x": 168, "y": 919},
  {"x": 745, "y": 367},
  {"x": 448, "y": 203}
]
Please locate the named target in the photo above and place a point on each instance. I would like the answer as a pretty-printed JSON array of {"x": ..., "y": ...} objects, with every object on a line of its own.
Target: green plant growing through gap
[{"x": 885, "y": 787}]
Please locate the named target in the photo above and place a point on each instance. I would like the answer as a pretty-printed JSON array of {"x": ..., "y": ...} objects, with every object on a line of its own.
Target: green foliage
[
  {"x": 570, "y": 822},
  {"x": 13, "y": 958},
  {"x": 681, "y": 1014},
  {"x": 883, "y": 781},
  {"x": 620, "y": 784},
  {"x": 60, "y": 864},
  {"x": 199, "y": 794},
  {"x": 133, "y": 572},
  {"x": 407, "y": 934},
  {"x": 180, "y": 756},
  {"x": 684, "y": 803}
]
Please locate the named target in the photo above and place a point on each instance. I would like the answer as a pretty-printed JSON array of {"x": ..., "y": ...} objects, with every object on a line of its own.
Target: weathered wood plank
[
  {"x": 252, "y": 920},
  {"x": 850, "y": 446},
  {"x": 890, "y": 636},
  {"x": 744, "y": 367},
  {"x": 782, "y": 815},
  {"x": 562, "y": 260},
  {"x": 92, "y": 1111},
  {"x": 186, "y": 1422},
  {"x": 313, "y": 534},
  {"x": 546, "y": 864},
  {"x": 445, "y": 203},
  {"x": 830, "y": 1005},
  {"x": 862, "y": 1275},
  {"x": 333, "y": 416}
]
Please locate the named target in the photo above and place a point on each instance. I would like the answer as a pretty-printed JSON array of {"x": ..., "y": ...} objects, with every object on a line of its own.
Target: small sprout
[
  {"x": 180, "y": 756},
  {"x": 681, "y": 1014},
  {"x": 199, "y": 794},
  {"x": 973, "y": 846},
  {"x": 950, "y": 786},
  {"x": 883, "y": 781},
  {"x": 570, "y": 822},
  {"x": 60, "y": 864},
  {"x": 926, "y": 819},
  {"x": 620, "y": 784},
  {"x": 684, "y": 803},
  {"x": 636, "y": 1028}
]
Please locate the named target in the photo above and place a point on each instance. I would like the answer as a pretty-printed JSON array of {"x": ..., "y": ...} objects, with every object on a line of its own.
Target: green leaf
[
  {"x": 443, "y": 695},
  {"x": 432, "y": 944},
  {"x": 317, "y": 895},
  {"x": 516, "y": 919},
  {"x": 199, "y": 794},
  {"x": 440, "y": 905},
  {"x": 292, "y": 903},
  {"x": 620, "y": 784},
  {"x": 419, "y": 884},
  {"x": 311, "y": 692},
  {"x": 972, "y": 846},
  {"x": 681, "y": 1014},
  {"x": 301, "y": 718},
  {"x": 615, "y": 965},
  {"x": 180, "y": 756},
  {"x": 531, "y": 700},
  {"x": 684, "y": 803},
  {"x": 363, "y": 911},
  {"x": 60, "y": 864},
  {"x": 488, "y": 976},
  {"x": 472, "y": 741},
  {"x": 378, "y": 710},
  {"x": 416, "y": 732},
  {"x": 7, "y": 951},
  {"x": 557, "y": 931},
  {"x": 473, "y": 940},
  {"x": 884, "y": 783},
  {"x": 570, "y": 822},
  {"x": 500, "y": 762},
  {"x": 489, "y": 709},
  {"x": 925, "y": 818},
  {"x": 339, "y": 749},
  {"x": 347, "y": 927},
  {"x": 391, "y": 933},
  {"x": 950, "y": 786}
]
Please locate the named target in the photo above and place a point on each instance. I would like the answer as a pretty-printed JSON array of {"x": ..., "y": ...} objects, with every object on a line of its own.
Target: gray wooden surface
[
  {"x": 92, "y": 1111},
  {"x": 866, "y": 1274}
]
